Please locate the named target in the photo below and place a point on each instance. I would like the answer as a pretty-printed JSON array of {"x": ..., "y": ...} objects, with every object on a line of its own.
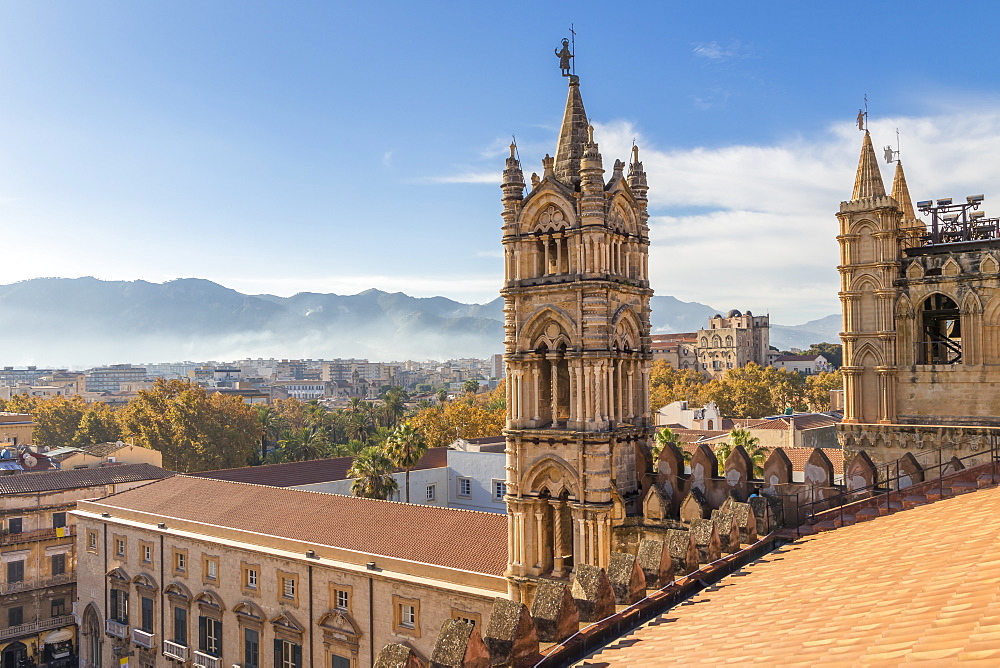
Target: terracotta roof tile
[
  {"x": 294, "y": 474},
  {"x": 859, "y": 599},
  {"x": 79, "y": 478},
  {"x": 463, "y": 539}
]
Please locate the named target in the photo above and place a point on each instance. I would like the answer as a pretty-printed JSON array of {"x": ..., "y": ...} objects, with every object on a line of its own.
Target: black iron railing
[{"x": 887, "y": 483}]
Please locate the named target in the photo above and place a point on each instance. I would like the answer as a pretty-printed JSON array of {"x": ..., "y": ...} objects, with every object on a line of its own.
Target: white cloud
[
  {"x": 755, "y": 227},
  {"x": 492, "y": 176},
  {"x": 387, "y": 159},
  {"x": 715, "y": 51}
]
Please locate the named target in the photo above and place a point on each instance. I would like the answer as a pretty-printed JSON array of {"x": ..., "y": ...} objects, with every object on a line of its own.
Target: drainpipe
[
  {"x": 371, "y": 620},
  {"x": 311, "y": 623}
]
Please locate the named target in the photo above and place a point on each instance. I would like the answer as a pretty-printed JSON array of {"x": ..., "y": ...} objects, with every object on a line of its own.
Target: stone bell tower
[{"x": 577, "y": 348}]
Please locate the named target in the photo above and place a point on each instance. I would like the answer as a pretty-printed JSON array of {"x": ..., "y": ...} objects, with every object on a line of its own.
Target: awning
[{"x": 62, "y": 635}]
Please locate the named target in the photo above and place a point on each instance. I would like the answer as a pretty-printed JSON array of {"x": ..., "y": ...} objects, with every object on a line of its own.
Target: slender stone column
[
  {"x": 554, "y": 386},
  {"x": 537, "y": 398},
  {"x": 557, "y": 538},
  {"x": 539, "y": 540}
]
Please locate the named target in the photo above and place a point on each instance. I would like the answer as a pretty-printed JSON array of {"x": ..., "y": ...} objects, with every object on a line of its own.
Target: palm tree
[
  {"x": 404, "y": 447},
  {"x": 393, "y": 406},
  {"x": 665, "y": 436},
  {"x": 750, "y": 443},
  {"x": 361, "y": 425},
  {"x": 304, "y": 444},
  {"x": 271, "y": 423},
  {"x": 372, "y": 472}
]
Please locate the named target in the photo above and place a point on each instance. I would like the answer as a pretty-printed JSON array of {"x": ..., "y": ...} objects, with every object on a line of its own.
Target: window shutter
[
  {"x": 297, "y": 654},
  {"x": 203, "y": 633},
  {"x": 277, "y": 653}
]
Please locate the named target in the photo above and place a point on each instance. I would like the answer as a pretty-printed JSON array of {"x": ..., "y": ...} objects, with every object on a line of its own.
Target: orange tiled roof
[
  {"x": 292, "y": 474},
  {"x": 463, "y": 539},
  {"x": 799, "y": 457},
  {"x": 921, "y": 585}
]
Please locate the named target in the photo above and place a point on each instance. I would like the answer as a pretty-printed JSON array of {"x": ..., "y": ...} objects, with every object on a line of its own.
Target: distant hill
[
  {"x": 85, "y": 321},
  {"x": 824, "y": 330}
]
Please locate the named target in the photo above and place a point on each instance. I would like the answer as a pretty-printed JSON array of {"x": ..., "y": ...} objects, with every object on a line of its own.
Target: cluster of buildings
[
  {"x": 255, "y": 380},
  {"x": 731, "y": 342},
  {"x": 593, "y": 532}
]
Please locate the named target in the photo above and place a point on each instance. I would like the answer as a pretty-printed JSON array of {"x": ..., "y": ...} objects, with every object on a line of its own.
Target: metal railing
[
  {"x": 37, "y": 534},
  {"x": 203, "y": 660},
  {"x": 116, "y": 628},
  {"x": 143, "y": 638},
  {"x": 36, "y": 626},
  {"x": 887, "y": 483},
  {"x": 175, "y": 650},
  {"x": 36, "y": 583}
]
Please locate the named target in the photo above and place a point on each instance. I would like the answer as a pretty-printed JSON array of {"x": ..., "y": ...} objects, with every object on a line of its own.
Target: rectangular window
[
  {"x": 499, "y": 490},
  {"x": 58, "y": 520},
  {"x": 15, "y": 616},
  {"x": 58, "y": 607},
  {"x": 251, "y": 578},
  {"x": 251, "y": 648},
  {"x": 210, "y": 568},
  {"x": 430, "y": 492},
  {"x": 92, "y": 541},
  {"x": 465, "y": 487},
  {"x": 287, "y": 654},
  {"x": 210, "y": 635},
  {"x": 181, "y": 626},
  {"x": 340, "y": 662},
  {"x": 14, "y": 525},
  {"x": 119, "y": 606},
  {"x": 343, "y": 599},
  {"x": 146, "y": 614},
  {"x": 15, "y": 571},
  {"x": 407, "y": 615},
  {"x": 147, "y": 552},
  {"x": 288, "y": 587},
  {"x": 58, "y": 564},
  {"x": 119, "y": 547},
  {"x": 180, "y": 561}
]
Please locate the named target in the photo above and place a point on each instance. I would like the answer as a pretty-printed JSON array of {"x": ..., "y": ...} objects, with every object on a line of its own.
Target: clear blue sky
[{"x": 280, "y": 147}]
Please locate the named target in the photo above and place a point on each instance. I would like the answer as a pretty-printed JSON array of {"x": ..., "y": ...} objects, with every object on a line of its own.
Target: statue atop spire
[{"x": 564, "y": 57}]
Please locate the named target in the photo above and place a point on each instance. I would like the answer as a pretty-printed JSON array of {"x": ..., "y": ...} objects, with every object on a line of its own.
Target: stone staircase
[{"x": 884, "y": 502}]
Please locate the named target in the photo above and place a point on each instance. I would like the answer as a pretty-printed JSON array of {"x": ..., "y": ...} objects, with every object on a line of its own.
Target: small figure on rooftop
[{"x": 564, "y": 56}]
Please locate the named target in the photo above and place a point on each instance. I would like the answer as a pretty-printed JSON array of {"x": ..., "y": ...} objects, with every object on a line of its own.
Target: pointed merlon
[
  {"x": 572, "y": 136},
  {"x": 868, "y": 182},
  {"x": 901, "y": 193}
]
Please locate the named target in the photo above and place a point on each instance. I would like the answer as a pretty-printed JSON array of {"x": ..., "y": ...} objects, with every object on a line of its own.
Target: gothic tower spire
[
  {"x": 572, "y": 135},
  {"x": 901, "y": 193},
  {"x": 868, "y": 182},
  {"x": 578, "y": 355}
]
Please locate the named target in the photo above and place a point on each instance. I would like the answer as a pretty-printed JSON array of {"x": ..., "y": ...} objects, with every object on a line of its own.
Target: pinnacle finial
[
  {"x": 590, "y": 134},
  {"x": 868, "y": 181},
  {"x": 635, "y": 153},
  {"x": 513, "y": 147}
]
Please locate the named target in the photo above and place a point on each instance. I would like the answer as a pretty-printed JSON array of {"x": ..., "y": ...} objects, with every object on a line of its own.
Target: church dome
[{"x": 733, "y": 314}]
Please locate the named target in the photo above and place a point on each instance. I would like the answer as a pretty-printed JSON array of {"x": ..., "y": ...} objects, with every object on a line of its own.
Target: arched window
[
  {"x": 716, "y": 341},
  {"x": 941, "y": 331},
  {"x": 729, "y": 341}
]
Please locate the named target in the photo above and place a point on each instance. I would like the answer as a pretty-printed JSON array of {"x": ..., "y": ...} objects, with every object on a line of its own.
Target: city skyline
[{"x": 143, "y": 142}]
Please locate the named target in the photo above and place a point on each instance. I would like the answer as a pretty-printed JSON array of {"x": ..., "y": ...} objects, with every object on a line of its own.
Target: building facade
[
  {"x": 577, "y": 349},
  {"x": 271, "y": 577},
  {"x": 38, "y": 551},
  {"x": 921, "y": 320},
  {"x": 733, "y": 342}
]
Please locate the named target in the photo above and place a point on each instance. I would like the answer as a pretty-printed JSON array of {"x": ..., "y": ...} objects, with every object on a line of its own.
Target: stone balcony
[
  {"x": 116, "y": 629},
  {"x": 37, "y": 534},
  {"x": 202, "y": 660},
  {"x": 143, "y": 638},
  {"x": 36, "y": 626},
  {"x": 174, "y": 650},
  {"x": 36, "y": 583}
]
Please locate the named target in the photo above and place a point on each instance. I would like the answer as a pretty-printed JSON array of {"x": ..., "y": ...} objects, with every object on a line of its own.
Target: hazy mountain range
[{"x": 85, "y": 321}]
